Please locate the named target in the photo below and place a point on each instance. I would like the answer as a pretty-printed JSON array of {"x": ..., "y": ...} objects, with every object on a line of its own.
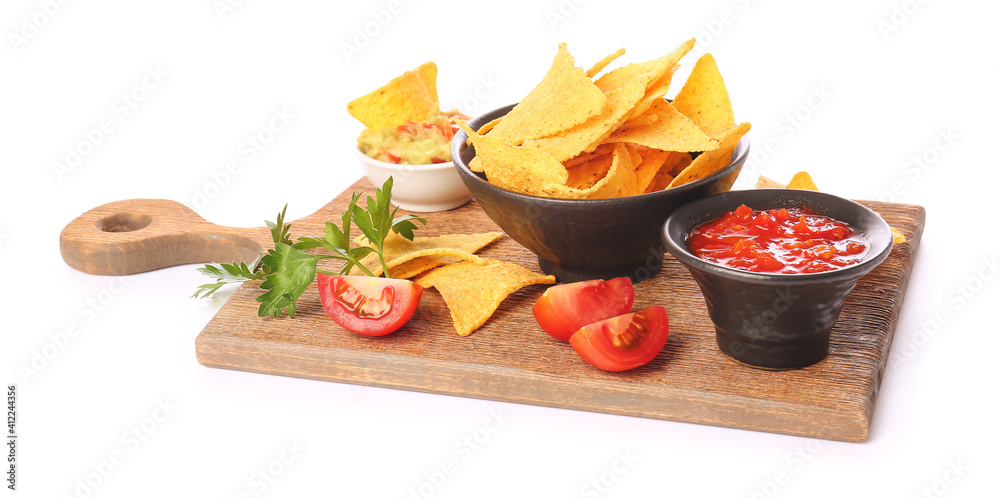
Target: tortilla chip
[
  {"x": 654, "y": 76},
  {"x": 620, "y": 180},
  {"x": 644, "y": 73},
  {"x": 654, "y": 92},
  {"x": 802, "y": 181},
  {"x": 399, "y": 250},
  {"x": 475, "y": 165},
  {"x": 426, "y": 74},
  {"x": 519, "y": 169},
  {"x": 634, "y": 155},
  {"x": 676, "y": 163},
  {"x": 705, "y": 100},
  {"x": 713, "y": 160},
  {"x": 564, "y": 98},
  {"x": 649, "y": 167},
  {"x": 411, "y": 96},
  {"x": 897, "y": 236},
  {"x": 765, "y": 182},
  {"x": 673, "y": 164},
  {"x": 474, "y": 292},
  {"x": 586, "y": 136},
  {"x": 585, "y": 174},
  {"x": 415, "y": 263},
  {"x": 670, "y": 131},
  {"x": 639, "y": 121},
  {"x": 484, "y": 129},
  {"x": 583, "y": 157},
  {"x": 660, "y": 181},
  {"x": 603, "y": 63}
]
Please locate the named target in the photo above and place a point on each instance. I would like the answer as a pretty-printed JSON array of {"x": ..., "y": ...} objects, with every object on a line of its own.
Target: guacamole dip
[{"x": 412, "y": 142}]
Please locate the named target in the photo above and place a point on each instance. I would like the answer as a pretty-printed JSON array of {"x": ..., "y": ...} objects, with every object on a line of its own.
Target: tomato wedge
[
  {"x": 563, "y": 309},
  {"x": 623, "y": 342},
  {"x": 368, "y": 305}
]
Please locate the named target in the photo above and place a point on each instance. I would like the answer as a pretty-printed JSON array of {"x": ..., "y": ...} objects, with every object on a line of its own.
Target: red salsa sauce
[{"x": 793, "y": 240}]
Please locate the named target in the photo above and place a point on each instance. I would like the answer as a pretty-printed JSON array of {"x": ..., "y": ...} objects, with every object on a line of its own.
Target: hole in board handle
[{"x": 124, "y": 222}]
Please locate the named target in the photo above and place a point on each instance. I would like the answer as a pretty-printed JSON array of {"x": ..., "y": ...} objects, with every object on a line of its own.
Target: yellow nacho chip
[
  {"x": 426, "y": 74},
  {"x": 475, "y": 165},
  {"x": 802, "y": 181},
  {"x": 654, "y": 76},
  {"x": 399, "y": 250},
  {"x": 765, "y": 182},
  {"x": 587, "y": 156},
  {"x": 484, "y": 129},
  {"x": 639, "y": 121},
  {"x": 587, "y": 173},
  {"x": 410, "y": 96},
  {"x": 705, "y": 100},
  {"x": 620, "y": 180},
  {"x": 603, "y": 63},
  {"x": 644, "y": 73},
  {"x": 414, "y": 264},
  {"x": 474, "y": 292},
  {"x": 660, "y": 181},
  {"x": 519, "y": 169},
  {"x": 713, "y": 160},
  {"x": 586, "y": 136},
  {"x": 897, "y": 236},
  {"x": 670, "y": 131},
  {"x": 649, "y": 167},
  {"x": 564, "y": 98},
  {"x": 657, "y": 90},
  {"x": 654, "y": 93},
  {"x": 676, "y": 163}
]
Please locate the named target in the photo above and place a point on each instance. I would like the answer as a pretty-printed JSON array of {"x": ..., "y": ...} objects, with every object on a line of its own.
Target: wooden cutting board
[{"x": 510, "y": 358}]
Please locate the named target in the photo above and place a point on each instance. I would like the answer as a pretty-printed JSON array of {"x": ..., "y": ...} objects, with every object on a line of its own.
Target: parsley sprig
[{"x": 288, "y": 268}]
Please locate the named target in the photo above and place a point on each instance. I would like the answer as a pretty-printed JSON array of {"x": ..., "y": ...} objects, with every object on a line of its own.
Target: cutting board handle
[{"x": 138, "y": 235}]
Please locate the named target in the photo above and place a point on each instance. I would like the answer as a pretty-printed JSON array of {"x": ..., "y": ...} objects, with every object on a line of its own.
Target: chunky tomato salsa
[{"x": 794, "y": 240}]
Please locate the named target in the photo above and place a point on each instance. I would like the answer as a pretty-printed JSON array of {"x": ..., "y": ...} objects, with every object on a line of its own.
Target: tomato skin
[
  {"x": 595, "y": 343},
  {"x": 389, "y": 302},
  {"x": 564, "y": 308}
]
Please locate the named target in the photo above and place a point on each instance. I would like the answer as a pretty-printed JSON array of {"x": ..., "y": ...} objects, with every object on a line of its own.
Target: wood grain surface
[{"x": 511, "y": 359}]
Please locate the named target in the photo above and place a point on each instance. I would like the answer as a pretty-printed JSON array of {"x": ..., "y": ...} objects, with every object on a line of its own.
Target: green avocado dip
[{"x": 412, "y": 142}]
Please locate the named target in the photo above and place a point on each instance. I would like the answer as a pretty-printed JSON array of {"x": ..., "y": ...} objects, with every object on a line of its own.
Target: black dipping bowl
[
  {"x": 769, "y": 320},
  {"x": 585, "y": 239}
]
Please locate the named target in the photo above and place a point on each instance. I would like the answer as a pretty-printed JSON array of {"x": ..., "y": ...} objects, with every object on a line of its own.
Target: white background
[{"x": 850, "y": 91}]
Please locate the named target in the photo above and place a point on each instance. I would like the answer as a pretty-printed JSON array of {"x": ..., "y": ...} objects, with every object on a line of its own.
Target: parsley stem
[{"x": 385, "y": 269}]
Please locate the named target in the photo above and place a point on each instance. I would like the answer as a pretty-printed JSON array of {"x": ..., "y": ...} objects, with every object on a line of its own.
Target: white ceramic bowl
[{"x": 418, "y": 187}]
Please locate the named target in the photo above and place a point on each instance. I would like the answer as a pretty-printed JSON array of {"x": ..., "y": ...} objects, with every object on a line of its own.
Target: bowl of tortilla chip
[{"x": 599, "y": 228}]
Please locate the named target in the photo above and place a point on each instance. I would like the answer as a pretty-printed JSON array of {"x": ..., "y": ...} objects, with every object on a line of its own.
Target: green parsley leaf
[
  {"x": 227, "y": 274},
  {"x": 291, "y": 271},
  {"x": 279, "y": 229},
  {"x": 377, "y": 220},
  {"x": 337, "y": 240}
]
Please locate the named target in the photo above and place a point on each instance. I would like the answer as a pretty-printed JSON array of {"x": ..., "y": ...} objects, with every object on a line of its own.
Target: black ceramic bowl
[
  {"x": 768, "y": 320},
  {"x": 586, "y": 239}
]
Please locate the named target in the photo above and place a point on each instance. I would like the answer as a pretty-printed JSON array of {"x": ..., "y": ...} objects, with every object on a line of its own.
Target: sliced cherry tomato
[
  {"x": 623, "y": 342},
  {"x": 563, "y": 309},
  {"x": 368, "y": 305}
]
